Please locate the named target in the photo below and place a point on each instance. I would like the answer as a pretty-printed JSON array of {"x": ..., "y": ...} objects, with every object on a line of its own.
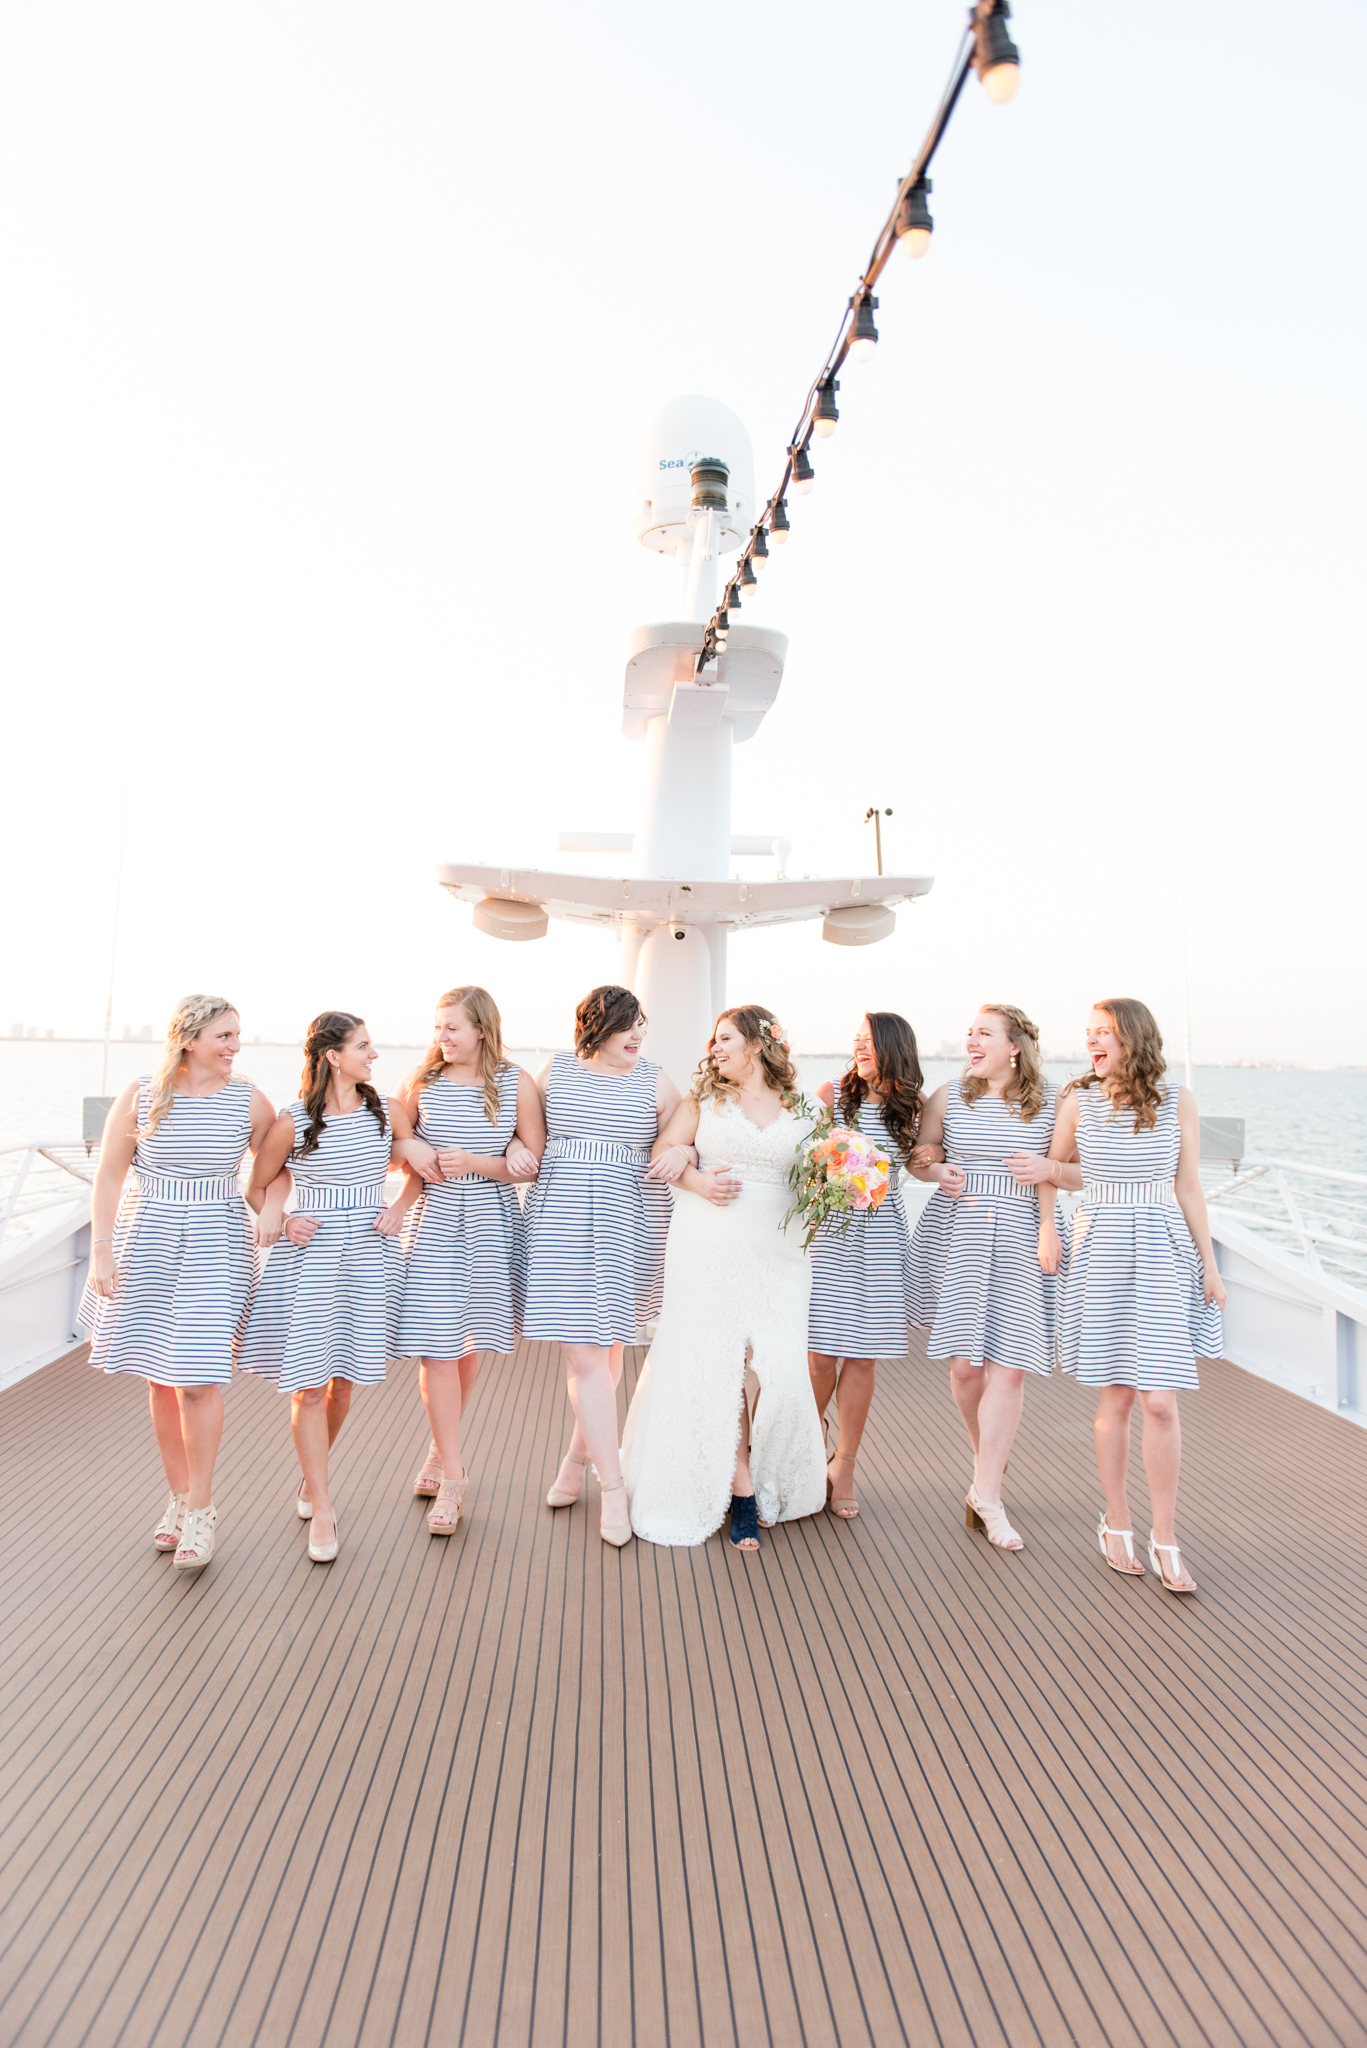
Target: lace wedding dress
[{"x": 733, "y": 1277}]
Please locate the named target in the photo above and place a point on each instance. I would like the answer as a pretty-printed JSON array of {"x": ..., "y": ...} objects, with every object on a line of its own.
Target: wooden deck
[{"x": 877, "y": 1784}]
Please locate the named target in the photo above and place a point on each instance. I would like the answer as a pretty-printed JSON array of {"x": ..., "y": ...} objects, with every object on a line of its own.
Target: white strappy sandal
[
  {"x": 196, "y": 1544},
  {"x": 1132, "y": 1569},
  {"x": 1169, "y": 1550},
  {"x": 990, "y": 1517},
  {"x": 166, "y": 1535}
]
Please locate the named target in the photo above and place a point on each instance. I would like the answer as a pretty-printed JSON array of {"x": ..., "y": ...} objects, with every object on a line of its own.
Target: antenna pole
[
  {"x": 1182, "y": 907},
  {"x": 114, "y": 945}
]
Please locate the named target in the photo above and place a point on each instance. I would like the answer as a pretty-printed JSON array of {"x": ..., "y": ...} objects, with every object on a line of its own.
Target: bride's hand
[
  {"x": 671, "y": 1163},
  {"x": 719, "y": 1186}
]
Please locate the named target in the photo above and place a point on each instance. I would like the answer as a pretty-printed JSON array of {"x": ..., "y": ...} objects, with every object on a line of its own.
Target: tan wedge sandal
[
  {"x": 166, "y": 1535},
  {"x": 445, "y": 1511},
  {"x": 427, "y": 1484},
  {"x": 196, "y": 1544}
]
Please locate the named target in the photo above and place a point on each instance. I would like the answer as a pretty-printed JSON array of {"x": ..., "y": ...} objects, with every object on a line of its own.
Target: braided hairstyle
[
  {"x": 900, "y": 1080},
  {"x": 191, "y": 1015},
  {"x": 1024, "y": 1093},
  {"x": 601, "y": 1015},
  {"x": 329, "y": 1032}
]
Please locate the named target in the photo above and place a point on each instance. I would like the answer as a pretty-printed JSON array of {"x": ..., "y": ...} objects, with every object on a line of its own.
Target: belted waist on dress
[
  {"x": 995, "y": 1181},
  {"x": 1129, "y": 1194},
  {"x": 161, "y": 1187},
  {"x": 597, "y": 1152},
  {"x": 313, "y": 1198}
]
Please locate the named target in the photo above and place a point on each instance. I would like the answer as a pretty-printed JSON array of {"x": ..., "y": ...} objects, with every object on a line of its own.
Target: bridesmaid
[
  {"x": 326, "y": 1315},
  {"x": 1143, "y": 1295},
  {"x": 985, "y": 1287},
  {"x": 862, "y": 1295},
  {"x": 480, "y": 1129},
  {"x": 171, "y": 1280},
  {"x": 596, "y": 1230}
]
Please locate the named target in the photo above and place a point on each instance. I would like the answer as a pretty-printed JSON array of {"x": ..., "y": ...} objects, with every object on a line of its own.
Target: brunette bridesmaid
[
  {"x": 862, "y": 1294},
  {"x": 596, "y": 1230},
  {"x": 326, "y": 1316}
]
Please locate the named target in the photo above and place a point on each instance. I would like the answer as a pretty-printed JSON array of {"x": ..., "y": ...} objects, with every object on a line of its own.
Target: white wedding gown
[{"x": 733, "y": 1277}]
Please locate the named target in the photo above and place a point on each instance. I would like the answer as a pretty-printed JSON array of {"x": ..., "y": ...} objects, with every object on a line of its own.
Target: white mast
[{"x": 692, "y": 501}]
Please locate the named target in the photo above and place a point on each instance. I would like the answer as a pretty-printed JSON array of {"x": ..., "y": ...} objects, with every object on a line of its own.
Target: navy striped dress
[
  {"x": 980, "y": 1284},
  {"x": 596, "y": 1227},
  {"x": 862, "y": 1293},
  {"x": 183, "y": 1246},
  {"x": 464, "y": 1238},
  {"x": 329, "y": 1309},
  {"x": 1134, "y": 1308}
]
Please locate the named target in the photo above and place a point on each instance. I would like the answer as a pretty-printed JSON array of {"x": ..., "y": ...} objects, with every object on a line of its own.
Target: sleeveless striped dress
[
  {"x": 980, "y": 1284},
  {"x": 596, "y": 1227},
  {"x": 464, "y": 1238},
  {"x": 183, "y": 1245},
  {"x": 862, "y": 1292},
  {"x": 329, "y": 1309},
  {"x": 1134, "y": 1309}
]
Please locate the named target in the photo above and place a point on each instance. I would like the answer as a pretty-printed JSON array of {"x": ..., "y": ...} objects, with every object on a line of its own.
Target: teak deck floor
[{"x": 876, "y": 1784}]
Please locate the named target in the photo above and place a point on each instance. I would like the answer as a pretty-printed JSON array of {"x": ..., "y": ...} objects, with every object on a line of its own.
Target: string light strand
[{"x": 986, "y": 48}]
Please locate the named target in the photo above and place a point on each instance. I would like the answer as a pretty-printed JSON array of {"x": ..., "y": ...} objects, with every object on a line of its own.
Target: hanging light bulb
[
  {"x": 864, "y": 335},
  {"x": 748, "y": 578},
  {"x": 995, "y": 57},
  {"x": 732, "y": 600},
  {"x": 759, "y": 548},
  {"x": 827, "y": 412},
  {"x": 914, "y": 223},
  {"x": 721, "y": 632},
  {"x": 804, "y": 476},
  {"x": 778, "y": 522}
]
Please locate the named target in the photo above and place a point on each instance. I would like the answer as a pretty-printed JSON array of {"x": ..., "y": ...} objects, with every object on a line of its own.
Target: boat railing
[
  {"x": 1316, "y": 1215},
  {"x": 39, "y": 1175}
]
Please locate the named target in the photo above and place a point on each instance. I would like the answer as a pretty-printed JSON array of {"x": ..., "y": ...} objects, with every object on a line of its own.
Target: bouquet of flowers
[{"x": 837, "y": 1174}]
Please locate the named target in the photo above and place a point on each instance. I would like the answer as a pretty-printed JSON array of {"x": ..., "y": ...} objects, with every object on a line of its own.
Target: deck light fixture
[
  {"x": 864, "y": 335},
  {"x": 914, "y": 224},
  {"x": 732, "y": 603},
  {"x": 748, "y": 578},
  {"x": 804, "y": 476},
  {"x": 995, "y": 57},
  {"x": 759, "y": 548},
  {"x": 778, "y": 522},
  {"x": 827, "y": 412}
]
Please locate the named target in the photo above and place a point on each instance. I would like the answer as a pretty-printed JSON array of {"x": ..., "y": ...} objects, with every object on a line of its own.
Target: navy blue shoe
[{"x": 744, "y": 1519}]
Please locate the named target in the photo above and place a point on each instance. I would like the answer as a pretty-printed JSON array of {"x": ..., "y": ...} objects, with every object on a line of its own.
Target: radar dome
[{"x": 678, "y": 434}]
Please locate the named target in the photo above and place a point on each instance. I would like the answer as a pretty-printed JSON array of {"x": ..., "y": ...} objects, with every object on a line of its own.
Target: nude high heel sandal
[
  {"x": 990, "y": 1517},
  {"x": 563, "y": 1496},
  {"x": 166, "y": 1535},
  {"x": 616, "y": 1537},
  {"x": 303, "y": 1508},
  {"x": 1179, "y": 1582},
  {"x": 1132, "y": 1568}
]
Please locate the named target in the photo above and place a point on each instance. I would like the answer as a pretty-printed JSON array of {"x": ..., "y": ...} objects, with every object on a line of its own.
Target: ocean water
[{"x": 1298, "y": 1114}]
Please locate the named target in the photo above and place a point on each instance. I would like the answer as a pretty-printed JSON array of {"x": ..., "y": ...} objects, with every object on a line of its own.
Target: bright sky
[{"x": 328, "y": 329}]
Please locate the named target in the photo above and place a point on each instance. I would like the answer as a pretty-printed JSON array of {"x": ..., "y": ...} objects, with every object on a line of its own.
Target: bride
[{"x": 733, "y": 1278}]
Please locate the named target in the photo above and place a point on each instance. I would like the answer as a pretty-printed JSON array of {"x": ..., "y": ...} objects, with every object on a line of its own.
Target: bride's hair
[{"x": 758, "y": 1027}]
